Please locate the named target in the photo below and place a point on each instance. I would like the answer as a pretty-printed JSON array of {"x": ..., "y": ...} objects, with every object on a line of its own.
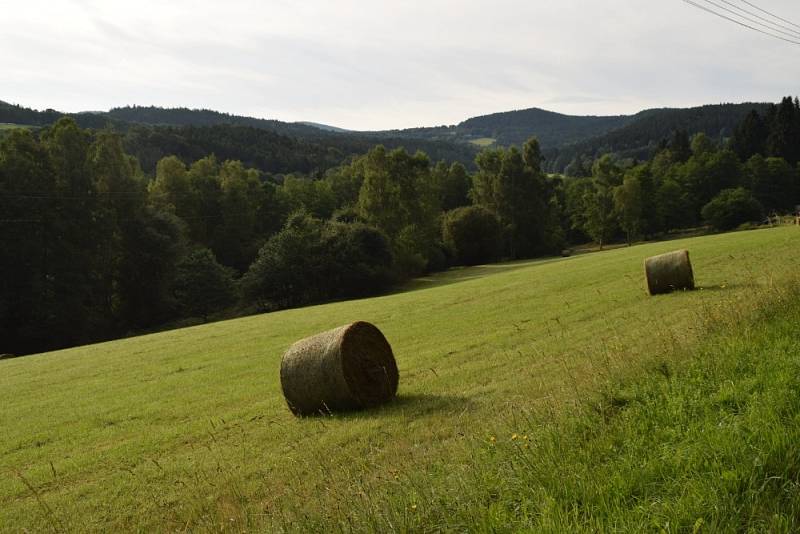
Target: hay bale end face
[
  {"x": 669, "y": 272},
  {"x": 346, "y": 368}
]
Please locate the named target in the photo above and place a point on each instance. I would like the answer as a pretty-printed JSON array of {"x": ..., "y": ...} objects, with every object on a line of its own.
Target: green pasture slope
[
  {"x": 11, "y": 126},
  {"x": 188, "y": 430},
  {"x": 6, "y": 128}
]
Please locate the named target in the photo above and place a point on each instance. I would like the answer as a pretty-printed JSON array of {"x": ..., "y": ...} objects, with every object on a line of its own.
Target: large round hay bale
[
  {"x": 669, "y": 272},
  {"x": 346, "y": 368}
]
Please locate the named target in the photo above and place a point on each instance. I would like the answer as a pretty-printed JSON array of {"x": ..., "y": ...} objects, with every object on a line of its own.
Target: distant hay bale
[
  {"x": 669, "y": 272},
  {"x": 346, "y": 368}
]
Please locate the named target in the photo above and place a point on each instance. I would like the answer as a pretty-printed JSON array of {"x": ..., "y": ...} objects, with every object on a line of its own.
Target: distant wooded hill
[
  {"x": 515, "y": 127},
  {"x": 640, "y": 136},
  {"x": 271, "y": 146},
  {"x": 280, "y": 147},
  {"x": 567, "y": 137}
]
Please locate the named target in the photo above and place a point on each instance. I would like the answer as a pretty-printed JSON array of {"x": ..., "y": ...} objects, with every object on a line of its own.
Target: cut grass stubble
[{"x": 188, "y": 429}]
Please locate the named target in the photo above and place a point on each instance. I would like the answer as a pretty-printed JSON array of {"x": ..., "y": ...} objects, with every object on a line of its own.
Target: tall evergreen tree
[
  {"x": 27, "y": 205},
  {"x": 680, "y": 146},
  {"x": 749, "y": 137},
  {"x": 784, "y": 136},
  {"x": 74, "y": 259}
]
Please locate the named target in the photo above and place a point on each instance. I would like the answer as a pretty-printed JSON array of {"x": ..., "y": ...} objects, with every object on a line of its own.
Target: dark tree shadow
[
  {"x": 426, "y": 403},
  {"x": 725, "y": 287},
  {"x": 456, "y": 275},
  {"x": 420, "y": 403}
]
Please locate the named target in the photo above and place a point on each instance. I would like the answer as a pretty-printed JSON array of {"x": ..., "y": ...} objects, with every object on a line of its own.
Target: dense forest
[
  {"x": 515, "y": 127},
  {"x": 566, "y": 140},
  {"x": 641, "y": 136},
  {"x": 271, "y": 146},
  {"x": 96, "y": 245}
]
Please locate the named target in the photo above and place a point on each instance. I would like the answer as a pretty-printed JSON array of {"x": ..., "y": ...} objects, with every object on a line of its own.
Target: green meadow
[
  {"x": 539, "y": 395},
  {"x": 483, "y": 142},
  {"x": 10, "y": 126}
]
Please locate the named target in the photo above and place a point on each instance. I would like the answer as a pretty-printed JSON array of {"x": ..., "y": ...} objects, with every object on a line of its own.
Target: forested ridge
[
  {"x": 271, "y": 146},
  {"x": 106, "y": 233},
  {"x": 514, "y": 127},
  {"x": 564, "y": 139},
  {"x": 640, "y": 136},
  {"x": 567, "y": 138}
]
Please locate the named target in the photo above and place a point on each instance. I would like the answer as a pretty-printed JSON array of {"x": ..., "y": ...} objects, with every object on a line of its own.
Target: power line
[
  {"x": 748, "y": 19},
  {"x": 698, "y": 6},
  {"x": 771, "y": 14},
  {"x": 779, "y": 27}
]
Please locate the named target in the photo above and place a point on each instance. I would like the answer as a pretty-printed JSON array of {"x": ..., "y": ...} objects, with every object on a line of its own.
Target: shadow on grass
[
  {"x": 417, "y": 403},
  {"x": 428, "y": 402},
  {"x": 456, "y": 275},
  {"x": 725, "y": 287},
  {"x": 711, "y": 288}
]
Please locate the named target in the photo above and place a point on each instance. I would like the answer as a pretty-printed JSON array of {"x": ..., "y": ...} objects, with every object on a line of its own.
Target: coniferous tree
[
  {"x": 27, "y": 237},
  {"x": 73, "y": 261},
  {"x": 784, "y": 136},
  {"x": 749, "y": 137},
  {"x": 680, "y": 146}
]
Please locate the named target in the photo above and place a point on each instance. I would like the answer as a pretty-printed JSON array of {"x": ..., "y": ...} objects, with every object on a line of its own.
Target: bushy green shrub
[
  {"x": 732, "y": 207},
  {"x": 203, "y": 286},
  {"x": 311, "y": 260},
  {"x": 472, "y": 234}
]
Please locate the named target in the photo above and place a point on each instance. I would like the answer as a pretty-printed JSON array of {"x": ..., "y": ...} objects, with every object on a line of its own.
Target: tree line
[
  {"x": 692, "y": 181},
  {"x": 641, "y": 135},
  {"x": 94, "y": 248}
]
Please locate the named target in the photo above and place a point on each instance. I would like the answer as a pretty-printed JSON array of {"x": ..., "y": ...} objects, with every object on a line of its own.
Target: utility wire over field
[{"x": 779, "y": 28}]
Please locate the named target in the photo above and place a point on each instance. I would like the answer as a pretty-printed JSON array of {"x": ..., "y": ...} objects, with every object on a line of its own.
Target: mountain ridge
[{"x": 563, "y": 137}]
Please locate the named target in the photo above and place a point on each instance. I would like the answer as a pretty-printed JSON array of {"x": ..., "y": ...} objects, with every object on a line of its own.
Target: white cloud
[{"x": 361, "y": 64}]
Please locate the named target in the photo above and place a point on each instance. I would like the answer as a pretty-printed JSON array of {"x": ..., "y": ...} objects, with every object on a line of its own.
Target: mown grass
[
  {"x": 705, "y": 440},
  {"x": 483, "y": 142},
  {"x": 11, "y": 126},
  {"x": 188, "y": 429}
]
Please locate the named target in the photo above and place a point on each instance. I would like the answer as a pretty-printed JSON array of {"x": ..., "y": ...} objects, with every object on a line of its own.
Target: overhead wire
[
  {"x": 748, "y": 19},
  {"x": 778, "y": 27},
  {"x": 771, "y": 14},
  {"x": 740, "y": 23}
]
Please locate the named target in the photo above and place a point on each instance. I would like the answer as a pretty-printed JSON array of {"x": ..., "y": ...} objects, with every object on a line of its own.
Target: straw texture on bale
[
  {"x": 669, "y": 272},
  {"x": 346, "y": 368}
]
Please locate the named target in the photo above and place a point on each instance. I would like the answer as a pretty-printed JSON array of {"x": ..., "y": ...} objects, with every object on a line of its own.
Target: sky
[{"x": 380, "y": 65}]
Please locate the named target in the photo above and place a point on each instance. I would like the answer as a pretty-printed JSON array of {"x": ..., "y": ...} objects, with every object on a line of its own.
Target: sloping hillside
[
  {"x": 271, "y": 146},
  {"x": 564, "y": 137},
  {"x": 515, "y": 127},
  {"x": 188, "y": 429},
  {"x": 642, "y": 133}
]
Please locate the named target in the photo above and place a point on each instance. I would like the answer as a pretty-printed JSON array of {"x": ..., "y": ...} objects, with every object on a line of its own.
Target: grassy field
[
  {"x": 10, "y": 126},
  {"x": 188, "y": 429},
  {"x": 483, "y": 142}
]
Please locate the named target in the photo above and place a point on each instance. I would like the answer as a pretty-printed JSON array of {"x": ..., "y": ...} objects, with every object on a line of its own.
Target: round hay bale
[
  {"x": 669, "y": 272},
  {"x": 346, "y": 368}
]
